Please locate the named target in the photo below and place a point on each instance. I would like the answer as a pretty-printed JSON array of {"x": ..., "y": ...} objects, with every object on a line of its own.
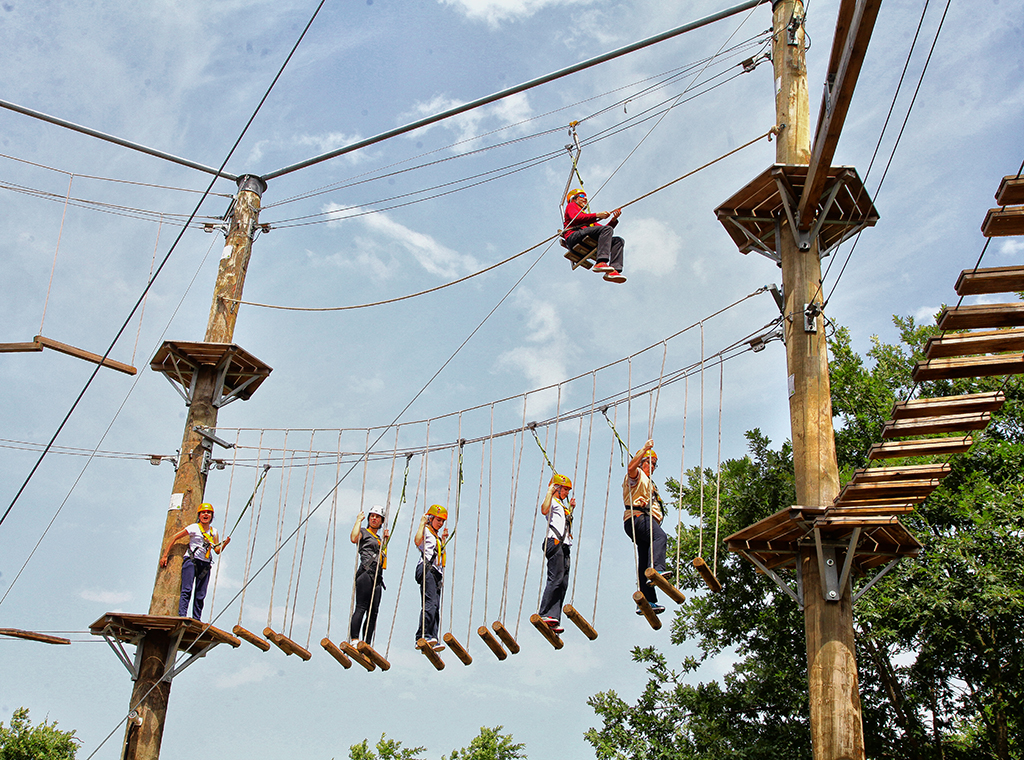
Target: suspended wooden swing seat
[
  {"x": 546, "y": 631},
  {"x": 40, "y": 342},
  {"x": 185, "y": 634},
  {"x": 580, "y": 622},
  {"x": 753, "y": 215},
  {"x": 664, "y": 585},
  {"x": 336, "y": 653},
  {"x": 238, "y": 373},
  {"x": 582, "y": 254},
  {"x": 33, "y": 636},
  {"x": 246, "y": 635},
  {"x": 457, "y": 648},
  {"x": 431, "y": 654}
]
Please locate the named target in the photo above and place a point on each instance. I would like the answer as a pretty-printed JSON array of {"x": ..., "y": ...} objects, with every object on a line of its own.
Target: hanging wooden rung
[
  {"x": 925, "y": 447},
  {"x": 546, "y": 632},
  {"x": 45, "y": 638},
  {"x": 12, "y": 348},
  {"x": 949, "y": 423},
  {"x": 1003, "y": 222},
  {"x": 891, "y": 508},
  {"x": 492, "y": 643},
  {"x": 358, "y": 656},
  {"x": 258, "y": 641},
  {"x": 901, "y": 474},
  {"x": 645, "y": 608},
  {"x": 943, "y": 405},
  {"x": 373, "y": 655},
  {"x": 457, "y": 648},
  {"x": 901, "y": 489},
  {"x": 706, "y": 573},
  {"x": 976, "y": 282},
  {"x": 286, "y": 645},
  {"x": 1011, "y": 191},
  {"x": 336, "y": 653},
  {"x": 506, "y": 638},
  {"x": 88, "y": 356},
  {"x": 664, "y": 584},
  {"x": 974, "y": 343},
  {"x": 580, "y": 622},
  {"x": 431, "y": 654},
  {"x": 968, "y": 366},
  {"x": 982, "y": 316}
]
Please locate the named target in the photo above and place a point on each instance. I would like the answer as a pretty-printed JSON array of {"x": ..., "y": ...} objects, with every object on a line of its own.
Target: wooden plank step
[
  {"x": 336, "y": 653},
  {"x": 707, "y": 574},
  {"x": 506, "y": 637},
  {"x": 880, "y": 502},
  {"x": 950, "y": 423},
  {"x": 904, "y": 489},
  {"x": 968, "y": 366},
  {"x": 982, "y": 316},
  {"x": 545, "y": 630},
  {"x": 1011, "y": 191},
  {"x": 1003, "y": 222},
  {"x": 368, "y": 665},
  {"x": 79, "y": 353},
  {"x": 580, "y": 622},
  {"x": 645, "y": 608},
  {"x": 991, "y": 401},
  {"x": 905, "y": 472},
  {"x": 431, "y": 654},
  {"x": 871, "y": 510},
  {"x": 492, "y": 643},
  {"x": 971, "y": 344},
  {"x": 45, "y": 638},
  {"x": 665, "y": 585},
  {"x": 975, "y": 282},
  {"x": 458, "y": 649},
  {"x": 252, "y": 638},
  {"x": 925, "y": 447}
]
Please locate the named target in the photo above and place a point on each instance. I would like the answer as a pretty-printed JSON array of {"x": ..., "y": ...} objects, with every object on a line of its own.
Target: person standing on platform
[
  {"x": 557, "y": 507},
  {"x": 373, "y": 560},
  {"x": 203, "y": 543}
]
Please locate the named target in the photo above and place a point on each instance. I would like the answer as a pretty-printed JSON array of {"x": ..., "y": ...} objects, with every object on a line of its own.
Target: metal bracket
[
  {"x": 791, "y": 29},
  {"x": 130, "y": 663},
  {"x": 811, "y": 312},
  {"x": 851, "y": 552},
  {"x": 777, "y": 579},
  {"x": 877, "y": 578},
  {"x": 170, "y": 671},
  {"x": 830, "y": 589}
]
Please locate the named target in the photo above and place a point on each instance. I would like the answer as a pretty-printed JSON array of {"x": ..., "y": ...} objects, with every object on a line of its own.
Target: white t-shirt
[
  {"x": 557, "y": 522},
  {"x": 198, "y": 546}
]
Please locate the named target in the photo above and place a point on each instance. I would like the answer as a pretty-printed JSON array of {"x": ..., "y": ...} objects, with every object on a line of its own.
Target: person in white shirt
[
  {"x": 203, "y": 543},
  {"x": 557, "y": 507}
]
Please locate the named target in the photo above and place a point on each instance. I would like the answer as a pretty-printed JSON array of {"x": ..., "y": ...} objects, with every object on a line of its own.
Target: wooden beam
[
  {"x": 975, "y": 282},
  {"x": 1011, "y": 191},
  {"x": 458, "y": 649},
  {"x": 968, "y": 366},
  {"x": 950, "y": 423},
  {"x": 974, "y": 343},
  {"x": 645, "y": 608},
  {"x": 11, "y": 348},
  {"x": 336, "y": 653},
  {"x": 1003, "y": 222},
  {"x": 663, "y": 583},
  {"x": 920, "y": 448},
  {"x": 706, "y": 573},
  {"x": 982, "y": 316},
  {"x": 968, "y": 403},
  {"x": 900, "y": 473},
  {"x": 433, "y": 656},
  {"x": 33, "y": 636},
  {"x": 506, "y": 638},
  {"x": 79, "y": 353},
  {"x": 252, "y": 638},
  {"x": 580, "y": 622},
  {"x": 492, "y": 643},
  {"x": 545, "y": 630},
  {"x": 854, "y": 44}
]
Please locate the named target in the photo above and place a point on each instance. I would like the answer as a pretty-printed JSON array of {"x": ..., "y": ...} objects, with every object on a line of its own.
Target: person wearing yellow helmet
[
  {"x": 431, "y": 537},
  {"x": 579, "y": 223},
  {"x": 557, "y": 507},
  {"x": 373, "y": 559},
  {"x": 203, "y": 543},
  {"x": 642, "y": 518}
]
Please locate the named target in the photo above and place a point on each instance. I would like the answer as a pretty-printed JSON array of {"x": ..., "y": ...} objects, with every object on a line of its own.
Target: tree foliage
[
  {"x": 386, "y": 749},
  {"x": 23, "y": 741},
  {"x": 938, "y": 640},
  {"x": 490, "y": 744}
]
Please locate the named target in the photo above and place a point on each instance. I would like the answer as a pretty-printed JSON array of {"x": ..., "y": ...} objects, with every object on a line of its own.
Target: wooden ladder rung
[
  {"x": 492, "y": 643},
  {"x": 545, "y": 631},
  {"x": 1003, "y": 222},
  {"x": 968, "y": 366},
  {"x": 373, "y": 655},
  {"x": 45, "y": 638},
  {"x": 457, "y": 648},
  {"x": 434, "y": 657},
  {"x": 1011, "y": 191},
  {"x": 976, "y": 282},
  {"x": 871, "y": 509},
  {"x": 645, "y": 608},
  {"x": 925, "y": 447},
  {"x": 580, "y": 622},
  {"x": 664, "y": 584},
  {"x": 982, "y": 316},
  {"x": 506, "y": 638},
  {"x": 943, "y": 405},
  {"x": 355, "y": 654},
  {"x": 707, "y": 574},
  {"x": 972, "y": 344},
  {"x": 900, "y": 473},
  {"x": 949, "y": 423},
  {"x": 336, "y": 653},
  {"x": 257, "y": 641},
  {"x": 882, "y": 489}
]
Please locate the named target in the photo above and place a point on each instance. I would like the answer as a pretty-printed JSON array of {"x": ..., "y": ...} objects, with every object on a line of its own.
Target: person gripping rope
[
  {"x": 203, "y": 543},
  {"x": 373, "y": 560},
  {"x": 580, "y": 223},
  {"x": 430, "y": 540},
  {"x": 642, "y": 519},
  {"x": 557, "y": 507}
]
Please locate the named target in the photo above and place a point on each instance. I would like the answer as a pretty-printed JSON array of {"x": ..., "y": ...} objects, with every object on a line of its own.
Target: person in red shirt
[{"x": 580, "y": 223}]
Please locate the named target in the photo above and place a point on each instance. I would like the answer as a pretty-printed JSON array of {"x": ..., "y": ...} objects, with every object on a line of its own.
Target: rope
[
  {"x": 145, "y": 298},
  {"x": 250, "y": 542},
  {"x": 227, "y": 507},
  {"x": 281, "y": 505},
  {"x": 408, "y": 547},
  {"x": 700, "y": 540},
  {"x": 297, "y": 555},
  {"x": 583, "y": 495},
  {"x": 332, "y": 522},
  {"x": 53, "y": 268},
  {"x": 682, "y": 475},
  {"x": 718, "y": 485}
]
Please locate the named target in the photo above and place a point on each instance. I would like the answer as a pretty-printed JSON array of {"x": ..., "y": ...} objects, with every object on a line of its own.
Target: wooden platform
[
  {"x": 750, "y": 216},
  {"x": 131, "y": 628},
  {"x": 240, "y": 373},
  {"x": 1011, "y": 191},
  {"x": 1003, "y": 222}
]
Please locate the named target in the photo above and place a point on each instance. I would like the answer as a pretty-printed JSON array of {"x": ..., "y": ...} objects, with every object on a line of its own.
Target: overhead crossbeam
[{"x": 854, "y": 26}]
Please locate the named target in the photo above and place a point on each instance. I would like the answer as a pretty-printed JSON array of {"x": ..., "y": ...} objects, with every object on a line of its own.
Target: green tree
[
  {"x": 23, "y": 741},
  {"x": 386, "y": 749},
  {"x": 939, "y": 639},
  {"x": 490, "y": 744}
]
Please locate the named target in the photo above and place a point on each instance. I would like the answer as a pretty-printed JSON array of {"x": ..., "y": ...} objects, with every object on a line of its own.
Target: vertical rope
[
  {"x": 227, "y": 507},
  {"x": 333, "y": 521},
  {"x": 362, "y": 502},
  {"x": 414, "y": 516},
  {"x": 296, "y": 569},
  {"x": 145, "y": 296},
  {"x": 517, "y": 464},
  {"x": 604, "y": 525},
  {"x": 250, "y": 541},
  {"x": 718, "y": 487},
  {"x": 382, "y": 540},
  {"x": 282, "y": 504},
  {"x": 60, "y": 234},
  {"x": 682, "y": 471},
  {"x": 700, "y": 540},
  {"x": 586, "y": 474}
]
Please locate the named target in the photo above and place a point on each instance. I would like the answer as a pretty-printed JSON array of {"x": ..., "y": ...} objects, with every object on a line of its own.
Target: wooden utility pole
[
  {"x": 152, "y": 690},
  {"x": 835, "y": 711}
]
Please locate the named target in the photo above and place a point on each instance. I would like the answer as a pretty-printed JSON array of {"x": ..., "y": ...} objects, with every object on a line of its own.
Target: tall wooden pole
[
  {"x": 835, "y": 711},
  {"x": 151, "y": 693}
]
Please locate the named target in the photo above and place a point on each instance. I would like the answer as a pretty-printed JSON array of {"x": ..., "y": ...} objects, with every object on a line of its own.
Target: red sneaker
[
  {"x": 614, "y": 276},
  {"x": 603, "y": 266}
]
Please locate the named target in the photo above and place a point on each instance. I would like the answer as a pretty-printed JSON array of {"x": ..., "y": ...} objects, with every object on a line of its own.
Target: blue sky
[{"x": 184, "y": 78}]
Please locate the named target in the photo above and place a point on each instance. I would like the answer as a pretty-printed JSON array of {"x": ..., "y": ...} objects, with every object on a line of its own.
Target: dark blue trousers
[
  {"x": 558, "y": 578},
  {"x": 647, "y": 530},
  {"x": 193, "y": 571},
  {"x": 430, "y": 615}
]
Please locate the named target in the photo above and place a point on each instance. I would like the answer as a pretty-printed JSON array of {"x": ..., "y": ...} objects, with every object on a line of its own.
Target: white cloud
[
  {"x": 493, "y": 12},
  {"x": 106, "y": 597},
  {"x": 1011, "y": 247},
  {"x": 470, "y": 125},
  {"x": 652, "y": 246},
  {"x": 253, "y": 673}
]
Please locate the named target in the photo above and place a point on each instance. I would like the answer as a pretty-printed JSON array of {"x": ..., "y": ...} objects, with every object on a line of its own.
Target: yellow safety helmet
[
  {"x": 574, "y": 192},
  {"x": 204, "y": 508},
  {"x": 649, "y": 455},
  {"x": 436, "y": 510},
  {"x": 561, "y": 480}
]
